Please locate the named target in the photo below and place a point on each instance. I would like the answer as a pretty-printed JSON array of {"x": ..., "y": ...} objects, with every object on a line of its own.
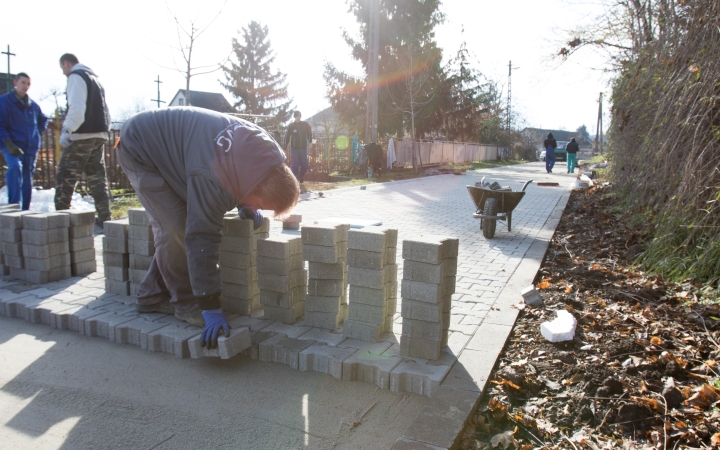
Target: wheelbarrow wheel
[{"x": 488, "y": 225}]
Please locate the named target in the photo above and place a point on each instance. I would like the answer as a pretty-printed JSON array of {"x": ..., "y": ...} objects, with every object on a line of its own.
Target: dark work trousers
[
  {"x": 83, "y": 156},
  {"x": 168, "y": 276},
  {"x": 299, "y": 164},
  {"x": 549, "y": 159}
]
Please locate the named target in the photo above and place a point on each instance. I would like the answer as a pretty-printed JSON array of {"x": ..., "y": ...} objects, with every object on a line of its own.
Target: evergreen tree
[
  {"x": 583, "y": 135},
  {"x": 252, "y": 81}
]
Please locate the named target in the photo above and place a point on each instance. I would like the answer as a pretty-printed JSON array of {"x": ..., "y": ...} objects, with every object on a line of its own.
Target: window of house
[{"x": 181, "y": 101}]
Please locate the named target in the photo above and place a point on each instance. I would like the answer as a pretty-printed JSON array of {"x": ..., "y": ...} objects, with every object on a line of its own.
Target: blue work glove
[
  {"x": 214, "y": 322},
  {"x": 246, "y": 212}
]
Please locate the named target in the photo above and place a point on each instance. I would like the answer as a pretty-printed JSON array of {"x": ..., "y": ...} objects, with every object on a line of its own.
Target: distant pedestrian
[
  {"x": 550, "y": 145},
  {"x": 21, "y": 123},
  {"x": 299, "y": 135},
  {"x": 85, "y": 131},
  {"x": 572, "y": 149}
]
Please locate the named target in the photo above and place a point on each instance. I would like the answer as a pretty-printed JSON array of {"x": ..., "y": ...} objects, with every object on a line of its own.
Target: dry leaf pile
[{"x": 642, "y": 371}]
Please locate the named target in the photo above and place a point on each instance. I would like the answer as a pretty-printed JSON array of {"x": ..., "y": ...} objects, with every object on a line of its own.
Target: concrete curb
[{"x": 440, "y": 423}]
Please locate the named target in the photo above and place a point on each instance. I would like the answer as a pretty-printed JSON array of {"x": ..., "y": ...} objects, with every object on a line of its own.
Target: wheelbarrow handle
[{"x": 526, "y": 185}]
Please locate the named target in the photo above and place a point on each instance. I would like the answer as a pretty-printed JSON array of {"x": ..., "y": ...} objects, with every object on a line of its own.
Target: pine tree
[{"x": 252, "y": 81}]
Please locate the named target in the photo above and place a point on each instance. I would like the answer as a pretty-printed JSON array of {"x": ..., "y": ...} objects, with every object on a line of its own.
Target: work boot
[
  {"x": 164, "y": 307},
  {"x": 303, "y": 189},
  {"x": 194, "y": 317}
]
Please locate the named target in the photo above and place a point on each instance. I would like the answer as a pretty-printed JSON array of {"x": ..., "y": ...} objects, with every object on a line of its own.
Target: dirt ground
[{"x": 641, "y": 372}]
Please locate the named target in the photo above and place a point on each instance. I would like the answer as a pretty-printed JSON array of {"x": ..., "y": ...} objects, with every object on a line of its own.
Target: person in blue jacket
[{"x": 21, "y": 123}]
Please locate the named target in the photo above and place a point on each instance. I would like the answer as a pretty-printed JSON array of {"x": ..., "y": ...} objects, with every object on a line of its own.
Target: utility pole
[
  {"x": 371, "y": 112},
  {"x": 599, "y": 127},
  {"x": 158, "y": 95},
  {"x": 9, "y": 77},
  {"x": 509, "y": 100}
]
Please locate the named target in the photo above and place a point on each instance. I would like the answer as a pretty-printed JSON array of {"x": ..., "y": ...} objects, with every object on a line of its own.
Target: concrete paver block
[
  {"x": 117, "y": 287},
  {"x": 46, "y": 276},
  {"x": 281, "y": 247},
  {"x": 256, "y": 337},
  {"x": 316, "y": 303},
  {"x": 116, "y": 259},
  {"x": 324, "y": 320},
  {"x": 32, "y": 237},
  {"x": 323, "y": 337},
  {"x": 238, "y": 244},
  {"x": 15, "y": 262},
  {"x": 74, "y": 319},
  {"x": 422, "y": 292},
  {"x": 45, "y": 251},
  {"x": 369, "y": 368},
  {"x": 13, "y": 220},
  {"x": 280, "y": 266},
  {"x": 367, "y": 260},
  {"x": 133, "y": 331},
  {"x": 48, "y": 263},
  {"x": 237, "y": 260},
  {"x": 367, "y": 313},
  {"x": 426, "y": 273},
  {"x": 283, "y": 299},
  {"x": 140, "y": 232},
  {"x": 282, "y": 283},
  {"x": 171, "y": 339},
  {"x": 136, "y": 276},
  {"x": 235, "y": 226},
  {"x": 420, "y": 329},
  {"x": 431, "y": 249},
  {"x": 326, "y": 288},
  {"x": 102, "y": 325},
  {"x": 363, "y": 331},
  {"x": 117, "y": 273},
  {"x": 239, "y": 290},
  {"x": 24, "y": 308},
  {"x": 82, "y": 256},
  {"x": 323, "y": 235},
  {"x": 243, "y": 306},
  {"x": 284, "y": 350},
  {"x": 325, "y": 359},
  {"x": 138, "y": 247},
  {"x": 254, "y": 324},
  {"x": 373, "y": 297},
  {"x": 228, "y": 346},
  {"x": 238, "y": 276},
  {"x": 45, "y": 221},
  {"x": 115, "y": 245},
  {"x": 137, "y": 262},
  {"x": 328, "y": 271},
  {"x": 531, "y": 296},
  {"x": 430, "y": 312},
  {"x": 80, "y": 218},
  {"x": 318, "y": 253},
  {"x": 138, "y": 216},
  {"x": 419, "y": 348},
  {"x": 373, "y": 279},
  {"x": 117, "y": 229},
  {"x": 80, "y": 230},
  {"x": 291, "y": 331},
  {"x": 12, "y": 248},
  {"x": 285, "y": 315},
  {"x": 11, "y": 235},
  {"x": 83, "y": 268},
  {"x": 417, "y": 377},
  {"x": 372, "y": 239}
]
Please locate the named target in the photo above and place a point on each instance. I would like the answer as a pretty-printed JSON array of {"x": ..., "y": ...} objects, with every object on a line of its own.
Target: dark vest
[{"x": 95, "y": 117}]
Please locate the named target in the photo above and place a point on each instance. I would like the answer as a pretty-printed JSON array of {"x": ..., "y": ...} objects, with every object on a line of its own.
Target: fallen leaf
[
  {"x": 656, "y": 340},
  {"x": 505, "y": 439},
  {"x": 715, "y": 439},
  {"x": 704, "y": 397},
  {"x": 544, "y": 284}
]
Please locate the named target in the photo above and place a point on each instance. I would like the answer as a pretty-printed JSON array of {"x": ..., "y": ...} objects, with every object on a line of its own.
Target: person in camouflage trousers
[{"x": 85, "y": 131}]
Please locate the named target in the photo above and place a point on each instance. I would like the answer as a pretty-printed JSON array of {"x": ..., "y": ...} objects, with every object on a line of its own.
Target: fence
[{"x": 49, "y": 154}]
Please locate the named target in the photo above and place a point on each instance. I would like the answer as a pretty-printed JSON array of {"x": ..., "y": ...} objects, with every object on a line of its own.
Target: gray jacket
[{"x": 210, "y": 160}]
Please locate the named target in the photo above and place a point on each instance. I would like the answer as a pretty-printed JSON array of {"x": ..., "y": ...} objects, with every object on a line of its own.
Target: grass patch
[{"x": 120, "y": 205}]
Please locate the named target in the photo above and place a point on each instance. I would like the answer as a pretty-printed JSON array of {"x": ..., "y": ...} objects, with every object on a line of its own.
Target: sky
[{"x": 131, "y": 43}]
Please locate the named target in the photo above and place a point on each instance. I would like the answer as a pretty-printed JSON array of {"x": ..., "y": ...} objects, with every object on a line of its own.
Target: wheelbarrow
[{"x": 495, "y": 204}]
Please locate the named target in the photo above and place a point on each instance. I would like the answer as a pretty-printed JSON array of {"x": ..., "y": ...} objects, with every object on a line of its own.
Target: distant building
[
  {"x": 560, "y": 135},
  {"x": 207, "y": 100},
  {"x": 326, "y": 121},
  {"x": 4, "y": 78}
]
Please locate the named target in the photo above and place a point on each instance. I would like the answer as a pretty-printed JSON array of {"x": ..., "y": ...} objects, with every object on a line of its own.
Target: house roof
[{"x": 209, "y": 100}]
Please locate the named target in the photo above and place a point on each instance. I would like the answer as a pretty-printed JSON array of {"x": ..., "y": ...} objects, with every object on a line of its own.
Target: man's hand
[
  {"x": 12, "y": 148},
  {"x": 246, "y": 212},
  {"x": 214, "y": 322},
  {"x": 65, "y": 139}
]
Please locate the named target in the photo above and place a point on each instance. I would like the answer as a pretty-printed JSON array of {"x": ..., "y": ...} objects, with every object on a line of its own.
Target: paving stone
[
  {"x": 324, "y": 359},
  {"x": 241, "y": 305},
  {"x": 118, "y": 259},
  {"x": 139, "y": 262},
  {"x": 47, "y": 276},
  {"x": 238, "y": 244},
  {"x": 326, "y": 288},
  {"x": 133, "y": 331},
  {"x": 423, "y": 292},
  {"x": 372, "y": 239},
  {"x": 374, "y": 297},
  {"x": 83, "y": 243},
  {"x": 81, "y": 230},
  {"x": 417, "y": 377},
  {"x": 282, "y": 283},
  {"x": 239, "y": 290},
  {"x": 323, "y": 337},
  {"x": 227, "y": 347},
  {"x": 430, "y": 312},
  {"x": 102, "y": 325},
  {"x": 117, "y": 287},
  {"x": 364, "y": 331},
  {"x": 140, "y": 233},
  {"x": 11, "y": 235},
  {"x": 419, "y": 348},
  {"x": 117, "y": 229},
  {"x": 420, "y": 329},
  {"x": 238, "y": 276},
  {"x": 318, "y": 253},
  {"x": 256, "y": 337},
  {"x": 373, "y": 279},
  {"x": 367, "y": 313},
  {"x": 170, "y": 339},
  {"x": 284, "y": 350},
  {"x": 370, "y": 368},
  {"x": 323, "y": 235},
  {"x": 283, "y": 300},
  {"x": 115, "y": 245},
  {"x": 285, "y": 315},
  {"x": 316, "y": 303},
  {"x": 82, "y": 256},
  {"x": 235, "y": 226},
  {"x": 45, "y": 221},
  {"x": 12, "y": 248},
  {"x": 427, "y": 273},
  {"x": 117, "y": 273},
  {"x": 138, "y": 216},
  {"x": 254, "y": 324},
  {"x": 138, "y": 247},
  {"x": 43, "y": 237},
  {"x": 45, "y": 251},
  {"x": 13, "y": 220},
  {"x": 431, "y": 249},
  {"x": 291, "y": 331},
  {"x": 238, "y": 260},
  {"x": 281, "y": 247},
  {"x": 367, "y": 260},
  {"x": 328, "y": 271},
  {"x": 23, "y": 307},
  {"x": 47, "y": 263},
  {"x": 136, "y": 276},
  {"x": 280, "y": 266},
  {"x": 74, "y": 318},
  {"x": 80, "y": 218},
  {"x": 324, "y": 320}
]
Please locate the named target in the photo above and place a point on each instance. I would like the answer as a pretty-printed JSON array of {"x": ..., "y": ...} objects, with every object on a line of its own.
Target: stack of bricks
[
  {"x": 372, "y": 275},
  {"x": 45, "y": 247},
  {"x": 4, "y": 268},
  {"x": 282, "y": 278},
  {"x": 238, "y": 264},
  {"x": 11, "y": 224},
  {"x": 115, "y": 256},
  {"x": 429, "y": 270},
  {"x": 141, "y": 247},
  {"x": 82, "y": 242},
  {"x": 325, "y": 249}
]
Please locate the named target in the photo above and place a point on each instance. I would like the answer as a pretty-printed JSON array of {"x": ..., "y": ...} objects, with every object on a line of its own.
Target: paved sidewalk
[{"x": 192, "y": 403}]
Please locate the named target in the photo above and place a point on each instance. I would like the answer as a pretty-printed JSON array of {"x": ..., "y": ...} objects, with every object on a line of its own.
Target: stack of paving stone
[
  {"x": 282, "y": 278},
  {"x": 4, "y": 268},
  {"x": 11, "y": 225},
  {"x": 238, "y": 264},
  {"x": 430, "y": 266},
  {"x": 141, "y": 246},
  {"x": 325, "y": 249},
  {"x": 45, "y": 248},
  {"x": 372, "y": 275},
  {"x": 115, "y": 256},
  {"x": 82, "y": 242}
]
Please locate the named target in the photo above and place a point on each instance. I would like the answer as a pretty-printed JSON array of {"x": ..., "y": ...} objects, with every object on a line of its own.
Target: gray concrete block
[
  {"x": 140, "y": 233},
  {"x": 116, "y": 259},
  {"x": 321, "y": 254},
  {"x": 419, "y": 348},
  {"x": 366, "y": 260},
  {"x": 326, "y": 288},
  {"x": 17, "y": 273},
  {"x": 171, "y": 339},
  {"x": 45, "y": 251},
  {"x": 253, "y": 323},
  {"x": 239, "y": 290},
  {"x": 431, "y": 249},
  {"x": 370, "y": 368},
  {"x": 11, "y": 235},
  {"x": 117, "y": 273},
  {"x": 32, "y": 237},
  {"x": 427, "y": 273},
  {"x": 324, "y": 359},
  {"x": 82, "y": 256},
  {"x": 362, "y": 331},
  {"x": 448, "y": 285},
  {"x": 282, "y": 283},
  {"x": 285, "y": 315},
  {"x": 430, "y": 312},
  {"x": 264, "y": 230},
  {"x": 136, "y": 276},
  {"x": 14, "y": 262},
  {"x": 79, "y": 218},
  {"x": 139, "y": 262},
  {"x": 291, "y": 225},
  {"x": 116, "y": 229},
  {"x": 374, "y": 297},
  {"x": 330, "y": 338},
  {"x": 13, "y": 220},
  {"x": 367, "y": 313},
  {"x": 74, "y": 319},
  {"x": 324, "y": 235},
  {"x": 235, "y": 226},
  {"x": 9, "y": 208},
  {"x": 256, "y": 337},
  {"x": 23, "y": 308},
  {"x": 81, "y": 231},
  {"x": 325, "y": 320},
  {"x": 328, "y": 271},
  {"x": 419, "y": 329},
  {"x": 238, "y": 276},
  {"x": 284, "y": 350},
  {"x": 282, "y": 246},
  {"x": 227, "y": 346},
  {"x": 134, "y": 331},
  {"x": 83, "y": 268},
  {"x": 134, "y": 289},
  {"x": 238, "y": 244},
  {"x": 372, "y": 239},
  {"x": 138, "y": 216},
  {"x": 47, "y": 276},
  {"x": 47, "y": 263},
  {"x": 289, "y": 330},
  {"x": 143, "y": 248},
  {"x": 418, "y": 377},
  {"x": 45, "y": 221},
  {"x": 244, "y": 306},
  {"x": 373, "y": 279},
  {"x": 117, "y": 287},
  {"x": 12, "y": 248},
  {"x": 103, "y": 324},
  {"x": 283, "y": 299},
  {"x": 316, "y": 303},
  {"x": 280, "y": 266},
  {"x": 4, "y": 270},
  {"x": 423, "y": 292},
  {"x": 115, "y": 245},
  {"x": 238, "y": 260}
]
